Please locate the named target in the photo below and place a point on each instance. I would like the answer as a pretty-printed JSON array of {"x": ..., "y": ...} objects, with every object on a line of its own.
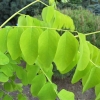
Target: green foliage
[
  {"x": 38, "y": 43},
  {"x": 85, "y": 22}
]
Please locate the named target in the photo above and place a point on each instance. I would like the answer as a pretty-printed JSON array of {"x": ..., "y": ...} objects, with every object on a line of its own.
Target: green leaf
[
  {"x": 3, "y": 59},
  {"x": 22, "y": 20},
  {"x": 65, "y": 95},
  {"x": 66, "y": 51},
  {"x": 3, "y": 77},
  {"x": 7, "y": 70},
  {"x": 58, "y": 22},
  {"x": 21, "y": 74},
  {"x": 19, "y": 87},
  {"x": 3, "y": 39},
  {"x": 36, "y": 22},
  {"x": 1, "y": 94},
  {"x": 47, "y": 92},
  {"x": 72, "y": 64},
  {"x": 47, "y": 43},
  {"x": 49, "y": 73},
  {"x": 8, "y": 87},
  {"x": 7, "y": 97},
  {"x": 32, "y": 71},
  {"x": 22, "y": 97},
  {"x": 13, "y": 42},
  {"x": 94, "y": 51},
  {"x": 80, "y": 74},
  {"x": 29, "y": 44},
  {"x": 29, "y": 20},
  {"x": 68, "y": 23},
  {"x": 97, "y": 89},
  {"x": 51, "y": 2},
  {"x": 48, "y": 14},
  {"x": 37, "y": 84},
  {"x": 98, "y": 97},
  {"x": 84, "y": 53},
  {"x": 88, "y": 81},
  {"x": 64, "y": 1}
]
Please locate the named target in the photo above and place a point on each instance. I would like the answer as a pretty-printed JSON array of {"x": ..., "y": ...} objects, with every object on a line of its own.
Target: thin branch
[
  {"x": 18, "y": 13},
  {"x": 43, "y": 3},
  {"x": 91, "y": 33}
]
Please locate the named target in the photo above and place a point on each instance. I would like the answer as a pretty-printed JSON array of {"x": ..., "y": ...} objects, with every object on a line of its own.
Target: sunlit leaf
[
  {"x": 98, "y": 97},
  {"x": 3, "y": 59},
  {"x": 66, "y": 51},
  {"x": 84, "y": 53},
  {"x": 13, "y": 42},
  {"x": 32, "y": 71},
  {"x": 29, "y": 20},
  {"x": 37, "y": 84},
  {"x": 47, "y": 43},
  {"x": 88, "y": 81},
  {"x": 22, "y": 20},
  {"x": 97, "y": 89},
  {"x": 49, "y": 73},
  {"x": 48, "y": 14},
  {"x": 72, "y": 64},
  {"x": 29, "y": 44},
  {"x": 7, "y": 70},
  {"x": 68, "y": 23},
  {"x": 22, "y": 74},
  {"x": 3, "y": 39},
  {"x": 80, "y": 74},
  {"x": 47, "y": 92},
  {"x": 58, "y": 22},
  {"x": 65, "y": 95},
  {"x": 3, "y": 77}
]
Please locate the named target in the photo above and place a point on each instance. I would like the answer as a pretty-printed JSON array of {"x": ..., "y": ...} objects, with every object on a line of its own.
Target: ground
[{"x": 65, "y": 84}]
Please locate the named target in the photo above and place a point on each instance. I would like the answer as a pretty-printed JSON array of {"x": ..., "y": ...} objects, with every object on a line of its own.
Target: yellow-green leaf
[
  {"x": 84, "y": 53},
  {"x": 47, "y": 43},
  {"x": 13, "y": 42},
  {"x": 29, "y": 44},
  {"x": 66, "y": 51}
]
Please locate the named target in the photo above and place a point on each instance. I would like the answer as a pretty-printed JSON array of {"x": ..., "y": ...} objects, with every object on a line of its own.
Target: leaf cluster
[{"x": 38, "y": 43}]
